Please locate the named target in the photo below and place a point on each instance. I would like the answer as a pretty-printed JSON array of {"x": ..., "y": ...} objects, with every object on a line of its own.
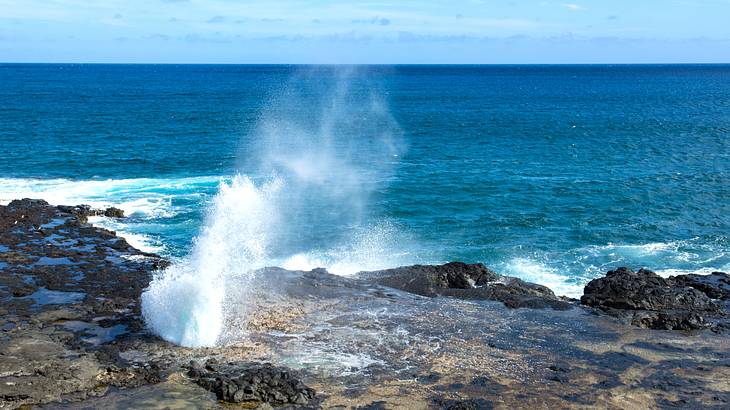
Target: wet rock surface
[
  {"x": 684, "y": 302},
  {"x": 71, "y": 336},
  {"x": 67, "y": 290},
  {"x": 467, "y": 281}
]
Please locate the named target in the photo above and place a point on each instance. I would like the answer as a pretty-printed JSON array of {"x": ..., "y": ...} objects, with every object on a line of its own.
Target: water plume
[{"x": 323, "y": 147}]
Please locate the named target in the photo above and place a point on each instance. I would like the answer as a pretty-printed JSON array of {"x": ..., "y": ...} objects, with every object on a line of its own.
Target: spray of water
[{"x": 324, "y": 146}]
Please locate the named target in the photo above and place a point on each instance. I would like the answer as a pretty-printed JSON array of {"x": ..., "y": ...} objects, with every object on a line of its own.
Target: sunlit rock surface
[{"x": 72, "y": 331}]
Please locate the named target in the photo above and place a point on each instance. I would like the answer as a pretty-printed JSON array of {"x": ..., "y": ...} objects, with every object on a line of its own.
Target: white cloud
[{"x": 573, "y": 6}]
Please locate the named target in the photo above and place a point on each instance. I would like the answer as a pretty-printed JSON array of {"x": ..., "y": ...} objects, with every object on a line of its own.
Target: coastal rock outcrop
[
  {"x": 467, "y": 281},
  {"x": 252, "y": 383},
  {"x": 71, "y": 336},
  {"x": 83, "y": 212},
  {"x": 68, "y": 292},
  {"x": 684, "y": 302},
  {"x": 113, "y": 212}
]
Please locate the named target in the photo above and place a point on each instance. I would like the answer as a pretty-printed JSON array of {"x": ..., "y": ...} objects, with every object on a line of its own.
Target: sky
[{"x": 357, "y": 32}]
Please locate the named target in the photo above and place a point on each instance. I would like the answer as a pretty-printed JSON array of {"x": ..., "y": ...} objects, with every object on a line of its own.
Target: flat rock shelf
[{"x": 456, "y": 336}]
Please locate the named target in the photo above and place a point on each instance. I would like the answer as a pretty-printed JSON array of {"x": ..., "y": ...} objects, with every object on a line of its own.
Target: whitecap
[{"x": 534, "y": 271}]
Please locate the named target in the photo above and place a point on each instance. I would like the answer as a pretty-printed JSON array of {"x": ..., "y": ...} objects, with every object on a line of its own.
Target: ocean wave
[
  {"x": 566, "y": 273},
  {"x": 561, "y": 282},
  {"x": 142, "y": 199},
  {"x": 145, "y": 196},
  {"x": 691, "y": 254},
  {"x": 143, "y": 242},
  {"x": 184, "y": 303}
]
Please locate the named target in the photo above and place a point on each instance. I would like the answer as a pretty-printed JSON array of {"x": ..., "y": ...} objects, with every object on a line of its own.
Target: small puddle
[
  {"x": 95, "y": 334},
  {"x": 44, "y": 296},
  {"x": 46, "y": 261},
  {"x": 53, "y": 224}
]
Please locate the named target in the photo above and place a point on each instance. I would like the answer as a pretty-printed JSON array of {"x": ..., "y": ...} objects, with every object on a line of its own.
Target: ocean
[{"x": 554, "y": 174}]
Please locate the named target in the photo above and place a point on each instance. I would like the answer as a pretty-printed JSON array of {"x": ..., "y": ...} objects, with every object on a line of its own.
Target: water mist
[{"x": 323, "y": 146}]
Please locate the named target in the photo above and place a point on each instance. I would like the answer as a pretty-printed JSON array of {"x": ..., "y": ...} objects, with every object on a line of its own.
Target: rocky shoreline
[{"x": 456, "y": 336}]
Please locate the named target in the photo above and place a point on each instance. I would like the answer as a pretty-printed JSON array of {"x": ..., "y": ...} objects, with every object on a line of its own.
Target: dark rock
[
  {"x": 113, "y": 212},
  {"x": 467, "y": 281},
  {"x": 84, "y": 211},
  {"x": 620, "y": 361},
  {"x": 81, "y": 212},
  {"x": 559, "y": 368},
  {"x": 252, "y": 382},
  {"x": 470, "y": 404},
  {"x": 428, "y": 378},
  {"x": 485, "y": 386},
  {"x": 376, "y": 405},
  {"x": 558, "y": 377},
  {"x": 61, "y": 349},
  {"x": 643, "y": 290},
  {"x": 559, "y": 373},
  {"x": 22, "y": 291},
  {"x": 715, "y": 285},
  {"x": 26, "y": 203},
  {"x": 650, "y": 301},
  {"x": 669, "y": 320},
  {"x": 430, "y": 280}
]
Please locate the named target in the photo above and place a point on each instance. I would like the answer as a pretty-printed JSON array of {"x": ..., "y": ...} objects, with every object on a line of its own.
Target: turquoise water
[{"x": 552, "y": 173}]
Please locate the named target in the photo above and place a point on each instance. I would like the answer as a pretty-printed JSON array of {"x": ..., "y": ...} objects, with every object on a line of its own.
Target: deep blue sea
[{"x": 555, "y": 174}]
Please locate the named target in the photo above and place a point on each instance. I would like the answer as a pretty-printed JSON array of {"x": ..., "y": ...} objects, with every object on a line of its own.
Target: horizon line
[{"x": 359, "y": 64}]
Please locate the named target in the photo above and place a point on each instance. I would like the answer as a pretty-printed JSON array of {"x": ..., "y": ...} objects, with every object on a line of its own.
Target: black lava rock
[
  {"x": 467, "y": 281},
  {"x": 684, "y": 302},
  {"x": 715, "y": 285},
  {"x": 252, "y": 382},
  {"x": 113, "y": 212}
]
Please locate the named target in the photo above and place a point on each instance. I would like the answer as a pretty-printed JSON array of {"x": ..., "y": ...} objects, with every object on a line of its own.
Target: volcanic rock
[
  {"x": 68, "y": 292},
  {"x": 252, "y": 382},
  {"x": 467, "y": 281},
  {"x": 683, "y": 302}
]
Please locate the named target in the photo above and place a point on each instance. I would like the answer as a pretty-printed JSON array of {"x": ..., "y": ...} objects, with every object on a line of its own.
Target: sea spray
[
  {"x": 322, "y": 148},
  {"x": 184, "y": 303}
]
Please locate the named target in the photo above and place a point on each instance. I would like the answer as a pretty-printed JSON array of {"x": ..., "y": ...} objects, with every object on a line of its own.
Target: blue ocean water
[{"x": 555, "y": 174}]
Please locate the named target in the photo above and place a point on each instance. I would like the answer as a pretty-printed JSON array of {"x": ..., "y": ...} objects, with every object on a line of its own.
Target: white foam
[
  {"x": 145, "y": 243},
  {"x": 158, "y": 206},
  {"x": 376, "y": 247},
  {"x": 184, "y": 303},
  {"x": 323, "y": 158},
  {"x": 145, "y": 196},
  {"x": 636, "y": 250},
  {"x": 701, "y": 271},
  {"x": 695, "y": 255},
  {"x": 537, "y": 272}
]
